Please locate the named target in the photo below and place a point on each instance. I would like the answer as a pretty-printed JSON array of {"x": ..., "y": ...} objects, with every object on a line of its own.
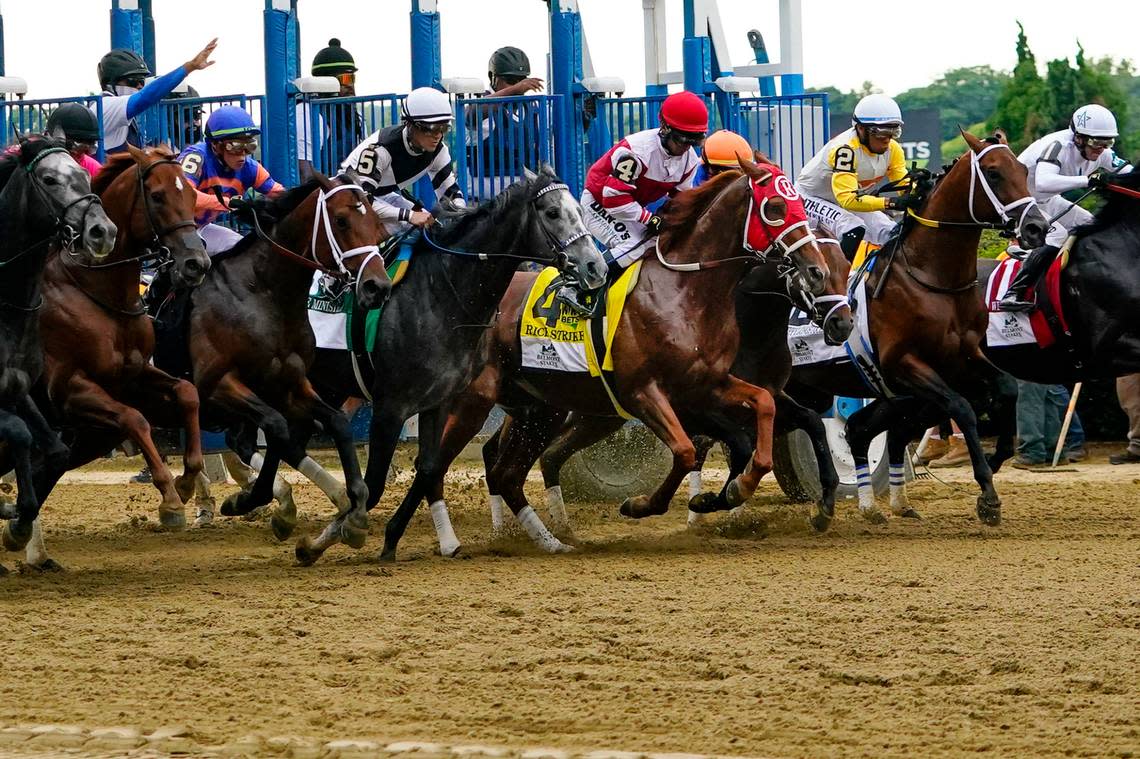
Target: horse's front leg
[
  {"x": 790, "y": 415},
  {"x": 926, "y": 383},
  {"x": 350, "y": 498},
  {"x": 172, "y": 402},
  {"x": 233, "y": 397},
  {"x": 735, "y": 393},
  {"x": 651, "y": 405},
  {"x": 89, "y": 405},
  {"x": 15, "y": 433}
]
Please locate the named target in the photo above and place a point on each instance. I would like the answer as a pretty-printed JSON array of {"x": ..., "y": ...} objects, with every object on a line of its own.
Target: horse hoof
[
  {"x": 204, "y": 518},
  {"x": 184, "y": 487},
  {"x": 909, "y": 513},
  {"x": 237, "y": 505},
  {"x": 171, "y": 520},
  {"x": 706, "y": 503},
  {"x": 282, "y": 527},
  {"x": 988, "y": 514},
  {"x": 734, "y": 494},
  {"x": 874, "y": 516},
  {"x": 16, "y": 537},
  {"x": 820, "y": 521},
  {"x": 635, "y": 507},
  {"x": 43, "y": 567},
  {"x": 8, "y": 510},
  {"x": 306, "y": 554},
  {"x": 388, "y": 555},
  {"x": 3, "y": 570},
  {"x": 451, "y": 550}
]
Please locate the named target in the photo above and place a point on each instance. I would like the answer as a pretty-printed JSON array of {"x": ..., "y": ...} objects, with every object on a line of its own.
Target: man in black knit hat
[{"x": 336, "y": 127}]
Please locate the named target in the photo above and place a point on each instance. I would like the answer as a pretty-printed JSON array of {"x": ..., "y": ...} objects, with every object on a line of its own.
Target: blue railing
[
  {"x": 179, "y": 122},
  {"x": 495, "y": 139},
  {"x": 789, "y": 129},
  {"x": 24, "y": 117},
  {"x": 351, "y": 120}
]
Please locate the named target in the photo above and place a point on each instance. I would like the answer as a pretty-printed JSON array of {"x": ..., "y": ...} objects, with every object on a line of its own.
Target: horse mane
[
  {"x": 1115, "y": 207},
  {"x": 30, "y": 147},
  {"x": 458, "y": 223},
  {"x": 687, "y": 207},
  {"x": 117, "y": 163}
]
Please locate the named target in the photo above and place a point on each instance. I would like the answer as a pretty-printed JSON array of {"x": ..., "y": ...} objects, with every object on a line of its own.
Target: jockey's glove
[
  {"x": 903, "y": 202},
  {"x": 237, "y": 204},
  {"x": 1099, "y": 178},
  {"x": 654, "y": 225}
]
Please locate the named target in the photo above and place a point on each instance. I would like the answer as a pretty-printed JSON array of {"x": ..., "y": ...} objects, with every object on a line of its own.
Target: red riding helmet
[{"x": 685, "y": 112}]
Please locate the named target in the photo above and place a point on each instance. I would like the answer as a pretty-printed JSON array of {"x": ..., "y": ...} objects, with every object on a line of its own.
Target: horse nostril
[{"x": 97, "y": 232}]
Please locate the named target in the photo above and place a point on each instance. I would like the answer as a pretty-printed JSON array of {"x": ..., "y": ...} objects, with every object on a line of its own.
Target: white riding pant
[
  {"x": 1073, "y": 216},
  {"x": 218, "y": 239},
  {"x": 626, "y": 241},
  {"x": 840, "y": 221}
]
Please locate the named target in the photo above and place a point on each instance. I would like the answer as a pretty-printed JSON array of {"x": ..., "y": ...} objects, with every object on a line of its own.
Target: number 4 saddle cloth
[{"x": 553, "y": 338}]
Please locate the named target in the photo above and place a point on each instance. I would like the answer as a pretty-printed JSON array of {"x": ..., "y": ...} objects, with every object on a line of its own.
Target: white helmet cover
[
  {"x": 427, "y": 104},
  {"x": 1094, "y": 121},
  {"x": 877, "y": 109}
]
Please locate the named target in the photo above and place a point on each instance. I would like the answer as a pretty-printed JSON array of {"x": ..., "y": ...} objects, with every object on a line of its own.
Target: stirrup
[
  {"x": 1012, "y": 303},
  {"x": 581, "y": 303}
]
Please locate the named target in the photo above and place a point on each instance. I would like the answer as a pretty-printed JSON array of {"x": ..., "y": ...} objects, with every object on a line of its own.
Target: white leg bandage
[
  {"x": 448, "y": 542},
  {"x": 538, "y": 532}
]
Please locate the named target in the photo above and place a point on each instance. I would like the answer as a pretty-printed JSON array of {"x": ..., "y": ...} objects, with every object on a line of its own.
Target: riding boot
[
  {"x": 577, "y": 300},
  {"x": 849, "y": 242},
  {"x": 1032, "y": 269}
]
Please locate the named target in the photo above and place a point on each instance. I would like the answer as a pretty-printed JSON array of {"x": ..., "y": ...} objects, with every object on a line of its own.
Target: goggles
[
  {"x": 435, "y": 129},
  {"x": 692, "y": 139},
  {"x": 347, "y": 79},
  {"x": 886, "y": 130},
  {"x": 135, "y": 81},
  {"x": 1100, "y": 142},
  {"x": 86, "y": 147},
  {"x": 237, "y": 147}
]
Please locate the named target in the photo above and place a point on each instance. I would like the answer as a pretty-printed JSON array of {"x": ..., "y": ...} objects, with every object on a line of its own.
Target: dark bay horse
[
  {"x": 1100, "y": 302},
  {"x": 99, "y": 386},
  {"x": 433, "y": 332},
  {"x": 926, "y": 322},
  {"x": 250, "y": 343},
  {"x": 46, "y": 206},
  {"x": 673, "y": 349},
  {"x": 763, "y": 360}
]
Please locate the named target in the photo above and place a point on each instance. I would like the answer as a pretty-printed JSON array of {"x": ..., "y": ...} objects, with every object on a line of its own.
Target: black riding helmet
[
  {"x": 333, "y": 60},
  {"x": 509, "y": 61},
  {"x": 120, "y": 64},
  {"x": 76, "y": 122}
]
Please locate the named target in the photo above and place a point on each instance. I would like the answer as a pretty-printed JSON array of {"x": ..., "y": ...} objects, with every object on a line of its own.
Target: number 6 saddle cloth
[{"x": 554, "y": 338}]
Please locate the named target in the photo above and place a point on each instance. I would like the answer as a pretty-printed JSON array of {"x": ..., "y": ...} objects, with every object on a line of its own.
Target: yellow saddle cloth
[{"x": 554, "y": 338}]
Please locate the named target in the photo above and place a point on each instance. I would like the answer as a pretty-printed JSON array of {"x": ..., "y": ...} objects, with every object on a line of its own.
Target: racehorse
[
  {"x": 763, "y": 359},
  {"x": 46, "y": 205},
  {"x": 926, "y": 323},
  {"x": 250, "y": 344},
  {"x": 98, "y": 383},
  {"x": 1099, "y": 296},
  {"x": 432, "y": 333},
  {"x": 673, "y": 348}
]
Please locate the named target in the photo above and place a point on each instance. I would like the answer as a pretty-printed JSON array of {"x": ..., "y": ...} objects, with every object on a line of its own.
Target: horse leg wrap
[
  {"x": 556, "y": 506},
  {"x": 538, "y": 532},
  {"x": 899, "y": 501},
  {"x": 736, "y": 493},
  {"x": 694, "y": 485},
  {"x": 328, "y": 484},
  {"x": 448, "y": 542},
  {"x": 498, "y": 510}
]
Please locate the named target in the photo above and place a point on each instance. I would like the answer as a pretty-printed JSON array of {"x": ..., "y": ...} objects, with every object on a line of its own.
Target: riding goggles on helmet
[
  {"x": 436, "y": 129},
  {"x": 134, "y": 81},
  {"x": 87, "y": 147},
  {"x": 1100, "y": 142},
  {"x": 693, "y": 139},
  {"x": 347, "y": 78},
  {"x": 885, "y": 130},
  {"x": 240, "y": 146}
]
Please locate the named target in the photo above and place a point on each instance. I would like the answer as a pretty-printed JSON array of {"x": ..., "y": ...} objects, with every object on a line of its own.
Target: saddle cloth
[
  {"x": 806, "y": 343},
  {"x": 1023, "y": 328},
  {"x": 330, "y": 312}
]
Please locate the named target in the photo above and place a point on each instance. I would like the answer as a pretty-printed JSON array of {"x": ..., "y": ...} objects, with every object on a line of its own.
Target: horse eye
[
  {"x": 341, "y": 222},
  {"x": 552, "y": 214},
  {"x": 157, "y": 196},
  {"x": 50, "y": 180}
]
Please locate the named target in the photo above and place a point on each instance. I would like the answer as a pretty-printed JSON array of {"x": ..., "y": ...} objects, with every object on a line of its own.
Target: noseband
[{"x": 63, "y": 233}]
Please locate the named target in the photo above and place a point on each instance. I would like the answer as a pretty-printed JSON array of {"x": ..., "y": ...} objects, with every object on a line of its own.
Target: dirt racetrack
[{"x": 753, "y": 637}]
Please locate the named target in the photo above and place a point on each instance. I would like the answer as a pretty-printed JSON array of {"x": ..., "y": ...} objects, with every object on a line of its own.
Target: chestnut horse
[
  {"x": 926, "y": 322},
  {"x": 673, "y": 349},
  {"x": 99, "y": 385},
  {"x": 250, "y": 343}
]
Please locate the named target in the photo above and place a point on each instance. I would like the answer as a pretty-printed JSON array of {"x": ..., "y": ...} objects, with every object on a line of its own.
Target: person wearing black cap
[
  {"x": 502, "y": 138},
  {"x": 184, "y": 125},
  {"x": 337, "y": 127}
]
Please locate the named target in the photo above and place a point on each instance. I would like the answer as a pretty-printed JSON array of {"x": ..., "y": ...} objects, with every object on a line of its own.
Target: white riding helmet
[
  {"x": 876, "y": 109},
  {"x": 427, "y": 104},
  {"x": 1093, "y": 121}
]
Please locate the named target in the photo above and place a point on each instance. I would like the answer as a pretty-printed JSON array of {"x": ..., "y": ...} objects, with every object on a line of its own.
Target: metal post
[
  {"x": 696, "y": 53},
  {"x": 149, "y": 52},
  {"x": 2, "y": 43},
  {"x": 791, "y": 47},
  {"x": 282, "y": 59},
  {"x": 127, "y": 26},
  {"x": 426, "y": 66},
  {"x": 566, "y": 84},
  {"x": 760, "y": 52}
]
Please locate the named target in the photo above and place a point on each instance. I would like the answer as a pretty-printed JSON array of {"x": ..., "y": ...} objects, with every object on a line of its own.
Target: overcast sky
[{"x": 894, "y": 45}]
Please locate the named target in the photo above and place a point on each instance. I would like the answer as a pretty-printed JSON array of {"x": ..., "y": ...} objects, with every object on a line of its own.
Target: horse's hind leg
[
  {"x": 862, "y": 427},
  {"x": 234, "y": 397},
  {"x": 790, "y": 415},
  {"x": 352, "y": 496},
  {"x": 576, "y": 434},
  {"x": 905, "y": 428},
  {"x": 737, "y": 392}
]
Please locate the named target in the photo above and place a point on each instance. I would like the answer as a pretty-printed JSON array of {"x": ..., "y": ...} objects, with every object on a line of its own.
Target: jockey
[
  {"x": 1071, "y": 159},
  {"x": 78, "y": 129},
  {"x": 393, "y": 158},
  {"x": 335, "y": 128},
  {"x": 835, "y": 182},
  {"x": 221, "y": 168},
  {"x": 640, "y": 169},
  {"x": 122, "y": 74},
  {"x": 720, "y": 153}
]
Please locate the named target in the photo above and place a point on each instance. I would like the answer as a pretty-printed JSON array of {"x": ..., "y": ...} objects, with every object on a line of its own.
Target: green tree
[
  {"x": 1020, "y": 109},
  {"x": 962, "y": 96},
  {"x": 838, "y": 102}
]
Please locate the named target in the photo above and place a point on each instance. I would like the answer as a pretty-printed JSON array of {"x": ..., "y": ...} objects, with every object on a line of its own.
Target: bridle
[{"x": 558, "y": 257}]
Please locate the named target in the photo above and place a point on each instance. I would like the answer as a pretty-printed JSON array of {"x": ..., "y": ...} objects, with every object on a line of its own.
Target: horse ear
[
  {"x": 530, "y": 175},
  {"x": 759, "y": 157},
  {"x": 547, "y": 169},
  {"x": 1001, "y": 136},
  {"x": 137, "y": 153},
  {"x": 974, "y": 143},
  {"x": 322, "y": 180},
  {"x": 56, "y": 134},
  {"x": 755, "y": 172}
]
